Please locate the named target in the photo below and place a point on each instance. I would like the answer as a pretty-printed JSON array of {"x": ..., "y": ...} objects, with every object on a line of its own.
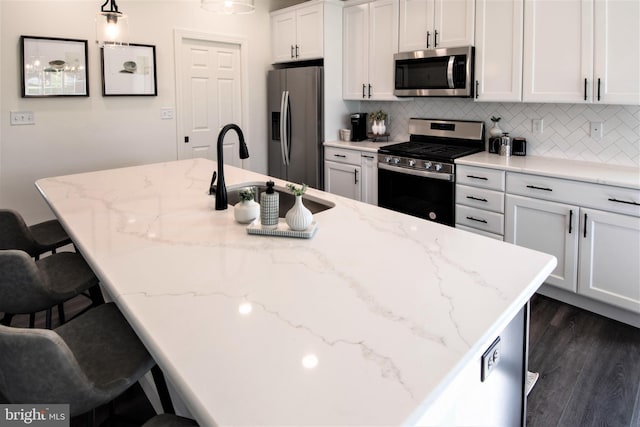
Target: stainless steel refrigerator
[{"x": 296, "y": 125}]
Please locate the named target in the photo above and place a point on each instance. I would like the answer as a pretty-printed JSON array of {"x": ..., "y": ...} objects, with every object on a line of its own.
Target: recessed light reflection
[
  {"x": 245, "y": 308},
  {"x": 310, "y": 361},
  {"x": 131, "y": 220}
]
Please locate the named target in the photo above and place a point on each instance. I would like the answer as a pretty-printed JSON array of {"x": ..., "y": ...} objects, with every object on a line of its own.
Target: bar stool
[
  {"x": 86, "y": 363},
  {"x": 36, "y": 239},
  {"x": 28, "y": 286}
]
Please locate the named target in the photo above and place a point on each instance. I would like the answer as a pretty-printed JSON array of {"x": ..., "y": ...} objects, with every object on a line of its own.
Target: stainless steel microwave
[{"x": 435, "y": 72}]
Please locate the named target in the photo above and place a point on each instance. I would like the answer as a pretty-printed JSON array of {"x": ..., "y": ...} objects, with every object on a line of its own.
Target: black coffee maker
[{"x": 358, "y": 126}]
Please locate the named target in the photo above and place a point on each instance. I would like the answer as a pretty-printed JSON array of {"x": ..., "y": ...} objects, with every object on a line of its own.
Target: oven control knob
[
  {"x": 438, "y": 167},
  {"x": 427, "y": 165},
  {"x": 412, "y": 162},
  {"x": 387, "y": 159},
  {"x": 396, "y": 160}
]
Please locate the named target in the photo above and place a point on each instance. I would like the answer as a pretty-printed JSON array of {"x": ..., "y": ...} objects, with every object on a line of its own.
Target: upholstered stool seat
[
  {"x": 29, "y": 286},
  {"x": 36, "y": 239}
]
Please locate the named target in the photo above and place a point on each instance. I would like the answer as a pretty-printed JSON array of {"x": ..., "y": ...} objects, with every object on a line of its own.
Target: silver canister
[{"x": 505, "y": 145}]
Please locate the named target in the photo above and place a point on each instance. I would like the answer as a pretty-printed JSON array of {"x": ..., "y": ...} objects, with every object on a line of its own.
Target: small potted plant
[
  {"x": 298, "y": 218},
  {"x": 495, "y": 129},
  {"x": 378, "y": 117},
  {"x": 246, "y": 210}
]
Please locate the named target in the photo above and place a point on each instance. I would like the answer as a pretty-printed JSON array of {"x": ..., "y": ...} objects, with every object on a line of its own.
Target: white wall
[{"x": 74, "y": 135}]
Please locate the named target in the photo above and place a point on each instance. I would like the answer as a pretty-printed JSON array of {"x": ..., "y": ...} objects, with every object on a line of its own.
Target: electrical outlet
[
  {"x": 166, "y": 113},
  {"x": 596, "y": 130},
  {"x": 537, "y": 126},
  {"x": 490, "y": 359},
  {"x": 22, "y": 118}
]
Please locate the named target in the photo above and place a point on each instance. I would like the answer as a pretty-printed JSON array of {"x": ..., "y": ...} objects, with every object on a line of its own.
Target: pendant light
[
  {"x": 229, "y": 7},
  {"x": 112, "y": 26}
]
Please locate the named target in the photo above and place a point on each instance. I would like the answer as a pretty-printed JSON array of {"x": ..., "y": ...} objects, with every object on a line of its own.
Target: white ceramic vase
[
  {"x": 381, "y": 128},
  {"x": 495, "y": 130},
  {"x": 298, "y": 217},
  {"x": 246, "y": 211}
]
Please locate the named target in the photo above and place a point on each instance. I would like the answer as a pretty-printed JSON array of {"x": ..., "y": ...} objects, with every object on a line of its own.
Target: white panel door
[
  {"x": 342, "y": 179},
  {"x": 610, "y": 258},
  {"x": 416, "y": 24},
  {"x": 355, "y": 51},
  {"x": 383, "y": 44},
  {"x": 617, "y": 52},
  {"x": 558, "y": 51},
  {"x": 211, "y": 98},
  {"x": 454, "y": 23},
  {"x": 309, "y": 31},
  {"x": 547, "y": 227},
  {"x": 498, "y": 60},
  {"x": 283, "y": 37}
]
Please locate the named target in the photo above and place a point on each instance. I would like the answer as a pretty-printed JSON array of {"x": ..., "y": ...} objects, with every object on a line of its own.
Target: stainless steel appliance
[
  {"x": 418, "y": 177},
  {"x": 296, "y": 125},
  {"x": 359, "y": 126},
  {"x": 435, "y": 72},
  {"x": 519, "y": 146}
]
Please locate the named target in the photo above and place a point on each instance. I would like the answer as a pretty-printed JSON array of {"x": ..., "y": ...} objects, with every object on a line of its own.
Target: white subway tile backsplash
[{"x": 566, "y": 126}]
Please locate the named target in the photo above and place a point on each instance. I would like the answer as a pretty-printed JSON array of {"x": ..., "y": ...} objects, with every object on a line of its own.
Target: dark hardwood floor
[{"x": 589, "y": 370}]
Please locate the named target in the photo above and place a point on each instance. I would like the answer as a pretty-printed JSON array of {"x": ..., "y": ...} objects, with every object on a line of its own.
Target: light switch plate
[
  {"x": 537, "y": 126},
  {"x": 596, "y": 130},
  {"x": 490, "y": 359},
  {"x": 22, "y": 118},
  {"x": 166, "y": 113}
]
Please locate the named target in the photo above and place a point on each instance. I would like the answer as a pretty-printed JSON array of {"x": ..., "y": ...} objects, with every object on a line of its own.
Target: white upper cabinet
[
  {"x": 427, "y": 24},
  {"x": 498, "y": 53},
  {"x": 582, "y": 51},
  {"x": 297, "y": 34},
  {"x": 617, "y": 52},
  {"x": 370, "y": 39}
]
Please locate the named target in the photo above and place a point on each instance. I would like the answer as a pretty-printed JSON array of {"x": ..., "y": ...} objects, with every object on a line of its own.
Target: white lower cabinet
[
  {"x": 598, "y": 251},
  {"x": 351, "y": 173}
]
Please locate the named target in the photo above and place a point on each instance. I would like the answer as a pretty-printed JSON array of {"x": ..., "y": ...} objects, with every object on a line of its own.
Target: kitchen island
[{"x": 373, "y": 321}]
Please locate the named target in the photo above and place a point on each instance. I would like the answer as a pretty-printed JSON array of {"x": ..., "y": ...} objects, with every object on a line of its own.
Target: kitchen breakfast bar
[{"x": 379, "y": 319}]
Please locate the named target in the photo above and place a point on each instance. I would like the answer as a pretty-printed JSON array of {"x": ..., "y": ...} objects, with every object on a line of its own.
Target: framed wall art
[
  {"x": 129, "y": 70},
  {"x": 53, "y": 67}
]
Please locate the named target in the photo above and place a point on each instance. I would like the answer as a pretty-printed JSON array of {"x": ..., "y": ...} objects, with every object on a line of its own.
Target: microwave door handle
[{"x": 450, "y": 71}]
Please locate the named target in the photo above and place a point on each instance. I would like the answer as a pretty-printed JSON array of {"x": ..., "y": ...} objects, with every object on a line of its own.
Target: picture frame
[
  {"x": 129, "y": 70},
  {"x": 53, "y": 67}
]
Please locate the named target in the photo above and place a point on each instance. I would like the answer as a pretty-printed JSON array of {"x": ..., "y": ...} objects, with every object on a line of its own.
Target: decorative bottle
[{"x": 269, "y": 207}]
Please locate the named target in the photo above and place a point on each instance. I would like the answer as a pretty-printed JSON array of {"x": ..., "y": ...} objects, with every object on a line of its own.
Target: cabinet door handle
[
  {"x": 364, "y": 87},
  {"x": 428, "y": 35},
  {"x": 585, "y": 225},
  {"x": 570, "y": 220},
  {"x": 598, "y": 88},
  {"x": 292, "y": 51},
  {"x": 297, "y": 48},
  {"x": 368, "y": 157},
  {"x": 585, "y": 88},
  {"x": 478, "y": 177},
  {"x": 539, "y": 188},
  {"x": 477, "y": 89},
  {"x": 340, "y": 155},
  {"x": 435, "y": 38},
  {"x": 623, "y": 201},
  {"x": 355, "y": 174},
  {"x": 477, "y": 198},
  {"x": 369, "y": 90},
  {"x": 477, "y": 220}
]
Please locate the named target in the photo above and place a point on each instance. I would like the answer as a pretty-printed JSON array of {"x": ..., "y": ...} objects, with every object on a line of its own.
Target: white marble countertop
[
  {"x": 369, "y": 146},
  {"x": 599, "y": 173},
  {"x": 390, "y": 307}
]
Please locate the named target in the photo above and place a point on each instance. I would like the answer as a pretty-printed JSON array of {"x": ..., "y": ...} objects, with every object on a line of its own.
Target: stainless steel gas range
[{"x": 417, "y": 177}]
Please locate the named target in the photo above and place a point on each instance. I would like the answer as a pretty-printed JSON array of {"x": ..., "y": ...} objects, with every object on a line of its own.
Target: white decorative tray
[{"x": 282, "y": 230}]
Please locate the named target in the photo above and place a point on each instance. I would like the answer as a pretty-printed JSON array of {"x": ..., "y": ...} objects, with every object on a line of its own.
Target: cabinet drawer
[
  {"x": 477, "y": 218},
  {"x": 597, "y": 196},
  {"x": 480, "y": 232},
  {"x": 492, "y": 179},
  {"x": 480, "y": 198},
  {"x": 342, "y": 156}
]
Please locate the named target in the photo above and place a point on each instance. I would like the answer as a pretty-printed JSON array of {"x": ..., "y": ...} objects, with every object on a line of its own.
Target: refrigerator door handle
[
  {"x": 287, "y": 126},
  {"x": 283, "y": 132}
]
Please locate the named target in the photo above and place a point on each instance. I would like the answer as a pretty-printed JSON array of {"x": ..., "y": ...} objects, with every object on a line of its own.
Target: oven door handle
[{"x": 425, "y": 174}]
